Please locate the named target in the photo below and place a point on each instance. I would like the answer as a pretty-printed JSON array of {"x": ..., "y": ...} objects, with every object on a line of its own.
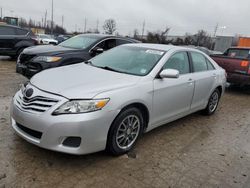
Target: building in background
[
  {"x": 11, "y": 20},
  {"x": 244, "y": 42},
  {"x": 222, "y": 43}
]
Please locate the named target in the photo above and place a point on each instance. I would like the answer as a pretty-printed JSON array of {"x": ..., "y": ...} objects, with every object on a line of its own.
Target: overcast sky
[{"x": 181, "y": 16}]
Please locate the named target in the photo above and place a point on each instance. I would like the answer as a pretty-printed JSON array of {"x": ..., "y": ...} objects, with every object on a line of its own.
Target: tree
[
  {"x": 202, "y": 38},
  {"x": 159, "y": 37},
  {"x": 109, "y": 26}
]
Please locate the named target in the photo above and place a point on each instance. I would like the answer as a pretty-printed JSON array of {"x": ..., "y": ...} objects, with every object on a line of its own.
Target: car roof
[
  {"x": 240, "y": 47},
  {"x": 13, "y": 26},
  {"x": 103, "y": 36},
  {"x": 162, "y": 47}
]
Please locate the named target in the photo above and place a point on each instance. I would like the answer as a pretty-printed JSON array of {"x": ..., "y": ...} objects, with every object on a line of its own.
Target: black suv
[
  {"x": 14, "y": 39},
  {"x": 74, "y": 50}
]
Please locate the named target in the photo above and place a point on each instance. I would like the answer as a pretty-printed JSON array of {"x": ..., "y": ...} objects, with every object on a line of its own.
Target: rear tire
[
  {"x": 212, "y": 103},
  {"x": 125, "y": 131}
]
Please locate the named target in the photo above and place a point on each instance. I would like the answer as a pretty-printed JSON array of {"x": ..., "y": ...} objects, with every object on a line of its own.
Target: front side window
[
  {"x": 199, "y": 62},
  {"x": 180, "y": 62},
  {"x": 107, "y": 44},
  {"x": 130, "y": 60},
  {"x": 21, "y": 32}
]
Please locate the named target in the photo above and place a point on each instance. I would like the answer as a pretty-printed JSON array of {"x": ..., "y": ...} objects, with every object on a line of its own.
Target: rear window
[
  {"x": 7, "y": 30},
  {"x": 238, "y": 53}
]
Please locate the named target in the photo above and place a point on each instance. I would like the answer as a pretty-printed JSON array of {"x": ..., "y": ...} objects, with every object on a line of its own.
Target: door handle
[
  {"x": 214, "y": 75},
  {"x": 190, "y": 81}
]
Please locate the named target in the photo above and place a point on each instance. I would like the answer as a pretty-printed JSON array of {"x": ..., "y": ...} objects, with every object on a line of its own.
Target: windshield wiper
[
  {"x": 110, "y": 69},
  {"x": 88, "y": 62}
]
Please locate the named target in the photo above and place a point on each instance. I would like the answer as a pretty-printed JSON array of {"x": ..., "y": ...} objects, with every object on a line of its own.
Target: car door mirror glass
[
  {"x": 98, "y": 50},
  {"x": 170, "y": 73}
]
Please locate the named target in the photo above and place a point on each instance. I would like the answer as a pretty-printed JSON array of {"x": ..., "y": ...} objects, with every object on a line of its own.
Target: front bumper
[{"x": 92, "y": 128}]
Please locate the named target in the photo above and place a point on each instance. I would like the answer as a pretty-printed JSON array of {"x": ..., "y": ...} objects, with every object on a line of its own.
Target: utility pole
[
  {"x": 85, "y": 25},
  {"x": 143, "y": 28},
  {"x": 97, "y": 25},
  {"x": 45, "y": 19},
  {"x": 216, "y": 29},
  {"x": 52, "y": 18},
  {"x": 62, "y": 20},
  {"x": 1, "y": 13}
]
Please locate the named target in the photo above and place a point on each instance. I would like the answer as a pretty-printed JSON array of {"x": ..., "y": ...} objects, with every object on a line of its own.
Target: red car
[{"x": 236, "y": 62}]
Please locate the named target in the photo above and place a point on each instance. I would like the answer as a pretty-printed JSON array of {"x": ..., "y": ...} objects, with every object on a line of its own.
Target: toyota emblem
[{"x": 29, "y": 92}]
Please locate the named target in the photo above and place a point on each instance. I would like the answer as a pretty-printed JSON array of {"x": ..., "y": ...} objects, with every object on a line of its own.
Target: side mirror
[
  {"x": 170, "y": 73},
  {"x": 97, "y": 50}
]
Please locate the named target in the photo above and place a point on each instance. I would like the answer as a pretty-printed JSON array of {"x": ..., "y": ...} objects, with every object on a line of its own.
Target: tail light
[{"x": 244, "y": 64}]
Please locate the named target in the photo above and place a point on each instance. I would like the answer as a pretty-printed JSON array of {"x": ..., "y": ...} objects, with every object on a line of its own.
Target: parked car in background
[
  {"x": 46, "y": 39},
  {"x": 74, "y": 50},
  {"x": 236, "y": 62},
  {"x": 204, "y": 50},
  {"x": 109, "y": 101},
  {"x": 61, "y": 38},
  {"x": 13, "y": 40}
]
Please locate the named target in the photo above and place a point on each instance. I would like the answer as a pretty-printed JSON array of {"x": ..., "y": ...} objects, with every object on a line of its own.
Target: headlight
[
  {"x": 48, "y": 59},
  {"x": 81, "y": 106}
]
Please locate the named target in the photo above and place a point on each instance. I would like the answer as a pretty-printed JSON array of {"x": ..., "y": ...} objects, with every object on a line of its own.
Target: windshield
[
  {"x": 130, "y": 60},
  {"x": 79, "y": 42}
]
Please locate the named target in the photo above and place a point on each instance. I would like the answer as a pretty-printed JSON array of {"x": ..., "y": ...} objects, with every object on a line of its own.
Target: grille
[
  {"x": 30, "y": 132},
  {"x": 37, "y": 104}
]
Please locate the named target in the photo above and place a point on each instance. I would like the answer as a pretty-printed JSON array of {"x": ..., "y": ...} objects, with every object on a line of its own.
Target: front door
[{"x": 173, "y": 96}]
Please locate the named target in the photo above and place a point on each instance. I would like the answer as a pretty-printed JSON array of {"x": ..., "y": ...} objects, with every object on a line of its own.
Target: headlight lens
[
  {"x": 81, "y": 106},
  {"x": 48, "y": 59}
]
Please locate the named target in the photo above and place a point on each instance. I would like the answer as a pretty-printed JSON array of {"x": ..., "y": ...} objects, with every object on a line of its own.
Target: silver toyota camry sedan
[{"x": 110, "y": 101}]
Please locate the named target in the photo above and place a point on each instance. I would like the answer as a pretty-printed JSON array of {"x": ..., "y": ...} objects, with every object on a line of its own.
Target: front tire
[
  {"x": 212, "y": 103},
  {"x": 125, "y": 131}
]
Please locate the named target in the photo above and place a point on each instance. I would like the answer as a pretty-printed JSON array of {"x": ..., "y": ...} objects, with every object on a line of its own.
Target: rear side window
[
  {"x": 121, "y": 42},
  {"x": 209, "y": 65},
  {"x": 178, "y": 61},
  {"x": 238, "y": 53},
  {"x": 21, "y": 32},
  {"x": 7, "y": 31},
  {"x": 199, "y": 62}
]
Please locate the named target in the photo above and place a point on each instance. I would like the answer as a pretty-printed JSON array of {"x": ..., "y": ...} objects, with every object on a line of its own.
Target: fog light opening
[{"x": 73, "y": 142}]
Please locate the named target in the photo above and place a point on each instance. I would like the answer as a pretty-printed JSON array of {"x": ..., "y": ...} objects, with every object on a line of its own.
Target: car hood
[
  {"x": 81, "y": 81},
  {"x": 47, "y": 49}
]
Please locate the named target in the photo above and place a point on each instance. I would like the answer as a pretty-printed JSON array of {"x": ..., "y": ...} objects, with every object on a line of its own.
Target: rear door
[
  {"x": 204, "y": 76},
  {"x": 7, "y": 39}
]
